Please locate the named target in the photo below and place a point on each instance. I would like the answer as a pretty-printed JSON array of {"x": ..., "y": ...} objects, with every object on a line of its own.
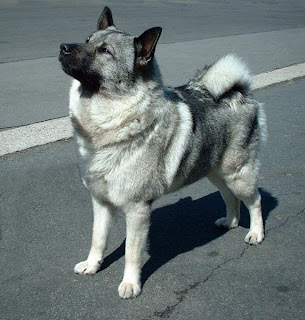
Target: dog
[{"x": 139, "y": 139}]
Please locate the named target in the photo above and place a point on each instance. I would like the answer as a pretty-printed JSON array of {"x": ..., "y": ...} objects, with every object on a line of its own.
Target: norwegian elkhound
[{"x": 139, "y": 139}]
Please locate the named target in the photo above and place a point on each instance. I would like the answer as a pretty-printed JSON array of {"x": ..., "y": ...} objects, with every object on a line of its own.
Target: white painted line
[
  {"x": 33, "y": 135},
  {"x": 266, "y": 79},
  {"x": 13, "y": 140}
]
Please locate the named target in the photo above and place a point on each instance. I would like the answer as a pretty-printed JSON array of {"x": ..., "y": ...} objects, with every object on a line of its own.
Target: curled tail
[{"x": 227, "y": 74}]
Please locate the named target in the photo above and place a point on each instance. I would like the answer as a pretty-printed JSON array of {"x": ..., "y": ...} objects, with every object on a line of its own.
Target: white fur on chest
[
  {"x": 75, "y": 92},
  {"x": 84, "y": 147}
]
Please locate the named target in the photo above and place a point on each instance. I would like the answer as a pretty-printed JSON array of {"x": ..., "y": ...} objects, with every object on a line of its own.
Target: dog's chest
[
  {"x": 99, "y": 169},
  {"x": 99, "y": 164}
]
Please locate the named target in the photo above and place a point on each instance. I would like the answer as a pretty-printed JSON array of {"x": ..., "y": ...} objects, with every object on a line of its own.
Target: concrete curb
[{"x": 25, "y": 137}]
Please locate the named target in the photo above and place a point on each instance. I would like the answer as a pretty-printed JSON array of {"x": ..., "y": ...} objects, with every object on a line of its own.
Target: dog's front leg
[
  {"x": 103, "y": 216},
  {"x": 137, "y": 224}
]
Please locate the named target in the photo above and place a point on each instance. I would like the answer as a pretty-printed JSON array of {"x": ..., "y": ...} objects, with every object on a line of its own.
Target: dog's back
[{"x": 225, "y": 119}]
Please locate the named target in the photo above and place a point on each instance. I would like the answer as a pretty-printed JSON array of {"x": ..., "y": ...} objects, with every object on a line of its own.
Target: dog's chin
[
  {"x": 69, "y": 71},
  {"x": 65, "y": 64},
  {"x": 89, "y": 81},
  {"x": 69, "y": 68},
  {"x": 68, "y": 65}
]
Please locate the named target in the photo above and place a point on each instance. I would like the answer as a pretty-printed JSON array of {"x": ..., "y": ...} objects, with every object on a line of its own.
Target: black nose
[{"x": 66, "y": 48}]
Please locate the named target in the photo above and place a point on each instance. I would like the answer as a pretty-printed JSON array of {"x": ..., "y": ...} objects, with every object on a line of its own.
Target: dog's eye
[
  {"x": 88, "y": 39},
  {"x": 103, "y": 49}
]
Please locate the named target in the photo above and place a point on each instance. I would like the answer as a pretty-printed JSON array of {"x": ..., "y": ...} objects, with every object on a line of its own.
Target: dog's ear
[
  {"x": 105, "y": 20},
  {"x": 146, "y": 43}
]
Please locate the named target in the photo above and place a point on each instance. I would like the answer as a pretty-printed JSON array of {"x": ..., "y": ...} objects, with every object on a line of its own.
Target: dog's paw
[
  {"x": 129, "y": 290},
  {"x": 254, "y": 237},
  {"x": 224, "y": 223},
  {"x": 87, "y": 268}
]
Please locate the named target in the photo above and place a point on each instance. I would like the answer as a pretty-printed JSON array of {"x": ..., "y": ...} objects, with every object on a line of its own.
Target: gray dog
[{"x": 139, "y": 139}]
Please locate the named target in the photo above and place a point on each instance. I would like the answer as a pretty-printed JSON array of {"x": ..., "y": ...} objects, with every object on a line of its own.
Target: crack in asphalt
[
  {"x": 181, "y": 295},
  {"x": 285, "y": 221}
]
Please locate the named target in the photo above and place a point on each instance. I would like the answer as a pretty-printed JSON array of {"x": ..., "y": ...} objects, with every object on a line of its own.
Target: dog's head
[{"x": 110, "y": 59}]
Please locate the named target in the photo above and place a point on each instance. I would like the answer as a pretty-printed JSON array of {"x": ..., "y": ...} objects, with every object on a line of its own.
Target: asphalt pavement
[{"x": 191, "y": 270}]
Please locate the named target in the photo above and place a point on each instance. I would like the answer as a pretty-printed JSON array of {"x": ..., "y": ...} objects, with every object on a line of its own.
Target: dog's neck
[{"x": 117, "y": 118}]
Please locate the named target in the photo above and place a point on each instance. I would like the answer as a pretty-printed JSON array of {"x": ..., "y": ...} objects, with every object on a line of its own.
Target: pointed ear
[
  {"x": 146, "y": 43},
  {"x": 105, "y": 20}
]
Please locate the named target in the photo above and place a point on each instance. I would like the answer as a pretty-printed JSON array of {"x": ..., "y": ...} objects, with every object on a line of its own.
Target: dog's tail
[{"x": 226, "y": 75}]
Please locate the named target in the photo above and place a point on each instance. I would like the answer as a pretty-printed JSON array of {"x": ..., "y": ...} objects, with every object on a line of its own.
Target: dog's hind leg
[
  {"x": 243, "y": 184},
  {"x": 137, "y": 224},
  {"x": 256, "y": 233},
  {"x": 103, "y": 216},
  {"x": 232, "y": 203}
]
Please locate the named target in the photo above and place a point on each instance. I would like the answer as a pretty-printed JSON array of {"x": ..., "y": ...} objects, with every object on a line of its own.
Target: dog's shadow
[{"x": 185, "y": 225}]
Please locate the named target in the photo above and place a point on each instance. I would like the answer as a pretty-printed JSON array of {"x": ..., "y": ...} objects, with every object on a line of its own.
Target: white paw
[
  {"x": 87, "y": 268},
  {"x": 129, "y": 290},
  {"x": 254, "y": 237},
  {"x": 224, "y": 223}
]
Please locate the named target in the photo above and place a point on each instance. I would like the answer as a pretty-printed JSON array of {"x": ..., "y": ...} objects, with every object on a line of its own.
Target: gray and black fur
[{"x": 138, "y": 139}]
